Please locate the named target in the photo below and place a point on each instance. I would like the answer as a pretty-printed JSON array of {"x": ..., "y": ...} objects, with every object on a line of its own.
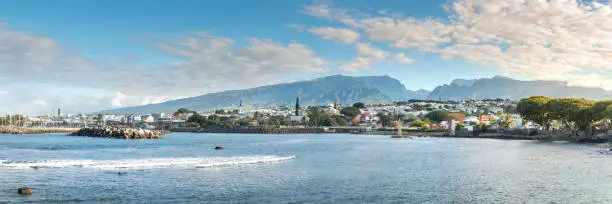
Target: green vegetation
[
  {"x": 419, "y": 124},
  {"x": 384, "y": 119},
  {"x": 359, "y": 105},
  {"x": 297, "y": 106},
  {"x": 438, "y": 115},
  {"x": 350, "y": 112},
  {"x": 182, "y": 110},
  {"x": 572, "y": 113}
]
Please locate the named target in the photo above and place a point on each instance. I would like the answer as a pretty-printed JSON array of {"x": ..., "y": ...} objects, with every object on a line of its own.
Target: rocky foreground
[
  {"x": 34, "y": 130},
  {"x": 119, "y": 133}
]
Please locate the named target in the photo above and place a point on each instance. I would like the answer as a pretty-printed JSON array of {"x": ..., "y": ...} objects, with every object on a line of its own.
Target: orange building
[{"x": 456, "y": 116}]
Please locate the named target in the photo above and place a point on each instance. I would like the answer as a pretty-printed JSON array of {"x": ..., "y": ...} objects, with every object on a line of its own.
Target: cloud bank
[{"x": 555, "y": 40}]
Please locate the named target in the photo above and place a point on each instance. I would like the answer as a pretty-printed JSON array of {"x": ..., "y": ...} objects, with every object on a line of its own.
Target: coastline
[{"x": 276, "y": 130}]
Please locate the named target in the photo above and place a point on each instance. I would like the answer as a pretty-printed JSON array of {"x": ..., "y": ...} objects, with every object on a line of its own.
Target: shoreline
[{"x": 274, "y": 130}]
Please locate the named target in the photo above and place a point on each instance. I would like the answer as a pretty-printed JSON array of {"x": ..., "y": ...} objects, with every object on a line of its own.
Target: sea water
[{"x": 308, "y": 168}]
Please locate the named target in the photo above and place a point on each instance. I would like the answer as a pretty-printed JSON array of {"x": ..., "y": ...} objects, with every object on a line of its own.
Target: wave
[{"x": 190, "y": 162}]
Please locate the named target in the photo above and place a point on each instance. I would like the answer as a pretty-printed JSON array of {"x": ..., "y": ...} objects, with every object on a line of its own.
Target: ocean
[{"x": 305, "y": 168}]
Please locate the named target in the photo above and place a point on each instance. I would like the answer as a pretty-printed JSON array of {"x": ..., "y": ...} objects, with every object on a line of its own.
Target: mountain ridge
[
  {"x": 318, "y": 91},
  {"x": 369, "y": 89}
]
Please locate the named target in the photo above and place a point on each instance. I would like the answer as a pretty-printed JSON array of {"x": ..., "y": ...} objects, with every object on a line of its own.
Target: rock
[
  {"x": 35, "y": 167},
  {"x": 218, "y": 147},
  {"x": 24, "y": 191}
]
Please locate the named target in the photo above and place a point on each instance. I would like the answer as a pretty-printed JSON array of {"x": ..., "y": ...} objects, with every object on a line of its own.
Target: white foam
[{"x": 190, "y": 162}]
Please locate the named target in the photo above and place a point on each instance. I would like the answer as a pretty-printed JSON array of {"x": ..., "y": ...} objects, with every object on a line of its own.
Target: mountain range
[
  {"x": 508, "y": 88},
  {"x": 368, "y": 89}
]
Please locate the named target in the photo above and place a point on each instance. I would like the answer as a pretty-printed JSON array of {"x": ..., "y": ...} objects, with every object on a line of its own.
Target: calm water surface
[{"x": 184, "y": 168}]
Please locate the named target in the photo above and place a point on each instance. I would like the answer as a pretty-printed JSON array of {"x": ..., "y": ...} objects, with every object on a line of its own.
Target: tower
[{"x": 59, "y": 112}]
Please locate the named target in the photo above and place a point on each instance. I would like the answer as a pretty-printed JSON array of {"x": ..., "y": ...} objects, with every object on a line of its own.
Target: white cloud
[
  {"x": 558, "y": 39},
  {"x": 342, "y": 35},
  {"x": 207, "y": 63},
  {"x": 154, "y": 100},
  {"x": 366, "y": 56},
  {"x": 216, "y": 63},
  {"x": 40, "y": 102},
  {"x": 401, "y": 57},
  {"x": 117, "y": 98}
]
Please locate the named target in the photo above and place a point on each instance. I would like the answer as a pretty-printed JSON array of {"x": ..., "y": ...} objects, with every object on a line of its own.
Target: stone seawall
[
  {"x": 119, "y": 133},
  {"x": 34, "y": 130}
]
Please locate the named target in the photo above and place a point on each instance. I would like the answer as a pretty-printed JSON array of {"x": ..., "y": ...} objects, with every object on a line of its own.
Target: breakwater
[
  {"x": 34, "y": 130},
  {"x": 119, "y": 133}
]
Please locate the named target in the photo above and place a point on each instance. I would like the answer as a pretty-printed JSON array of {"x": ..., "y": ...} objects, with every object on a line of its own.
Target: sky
[{"x": 92, "y": 55}]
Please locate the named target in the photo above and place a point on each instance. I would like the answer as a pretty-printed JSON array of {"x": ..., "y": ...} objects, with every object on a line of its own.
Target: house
[
  {"x": 517, "y": 120},
  {"x": 356, "y": 119},
  {"x": 457, "y": 116},
  {"x": 366, "y": 117},
  {"x": 444, "y": 125},
  {"x": 471, "y": 119},
  {"x": 484, "y": 119},
  {"x": 294, "y": 118},
  {"x": 148, "y": 119},
  {"x": 183, "y": 116}
]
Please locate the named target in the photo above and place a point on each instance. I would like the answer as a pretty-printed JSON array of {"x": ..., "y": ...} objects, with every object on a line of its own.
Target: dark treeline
[{"x": 571, "y": 113}]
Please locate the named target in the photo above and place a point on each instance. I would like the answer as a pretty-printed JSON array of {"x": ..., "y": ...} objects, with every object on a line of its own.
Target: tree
[
  {"x": 350, "y": 112},
  {"x": 418, "y": 124},
  {"x": 214, "y": 117},
  {"x": 398, "y": 117},
  {"x": 534, "y": 109},
  {"x": 316, "y": 116},
  {"x": 571, "y": 110},
  {"x": 510, "y": 109},
  {"x": 339, "y": 120},
  {"x": 384, "y": 119},
  {"x": 602, "y": 110},
  {"x": 220, "y": 112},
  {"x": 359, "y": 105},
  {"x": 438, "y": 115},
  {"x": 182, "y": 110},
  {"x": 297, "y": 106}
]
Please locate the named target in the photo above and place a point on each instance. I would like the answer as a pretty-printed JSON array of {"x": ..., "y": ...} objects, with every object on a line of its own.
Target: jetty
[
  {"x": 119, "y": 133},
  {"x": 34, "y": 130}
]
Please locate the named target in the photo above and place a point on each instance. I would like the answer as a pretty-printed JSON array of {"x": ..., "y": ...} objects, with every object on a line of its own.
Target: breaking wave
[{"x": 191, "y": 162}]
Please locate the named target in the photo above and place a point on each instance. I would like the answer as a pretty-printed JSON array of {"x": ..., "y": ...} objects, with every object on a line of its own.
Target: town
[{"x": 411, "y": 115}]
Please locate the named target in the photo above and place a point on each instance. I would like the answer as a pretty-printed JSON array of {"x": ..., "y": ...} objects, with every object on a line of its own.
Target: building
[
  {"x": 295, "y": 118},
  {"x": 471, "y": 119},
  {"x": 484, "y": 119},
  {"x": 517, "y": 120},
  {"x": 148, "y": 119}
]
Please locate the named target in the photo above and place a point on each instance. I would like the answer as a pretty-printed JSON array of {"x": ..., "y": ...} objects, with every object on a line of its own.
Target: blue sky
[
  {"x": 132, "y": 37},
  {"x": 128, "y": 29}
]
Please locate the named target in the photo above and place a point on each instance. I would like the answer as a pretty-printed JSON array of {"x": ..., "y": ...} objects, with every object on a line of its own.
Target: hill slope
[
  {"x": 326, "y": 90},
  {"x": 507, "y": 88}
]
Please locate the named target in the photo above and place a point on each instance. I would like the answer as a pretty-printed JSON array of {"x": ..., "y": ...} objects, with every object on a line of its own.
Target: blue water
[{"x": 184, "y": 168}]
